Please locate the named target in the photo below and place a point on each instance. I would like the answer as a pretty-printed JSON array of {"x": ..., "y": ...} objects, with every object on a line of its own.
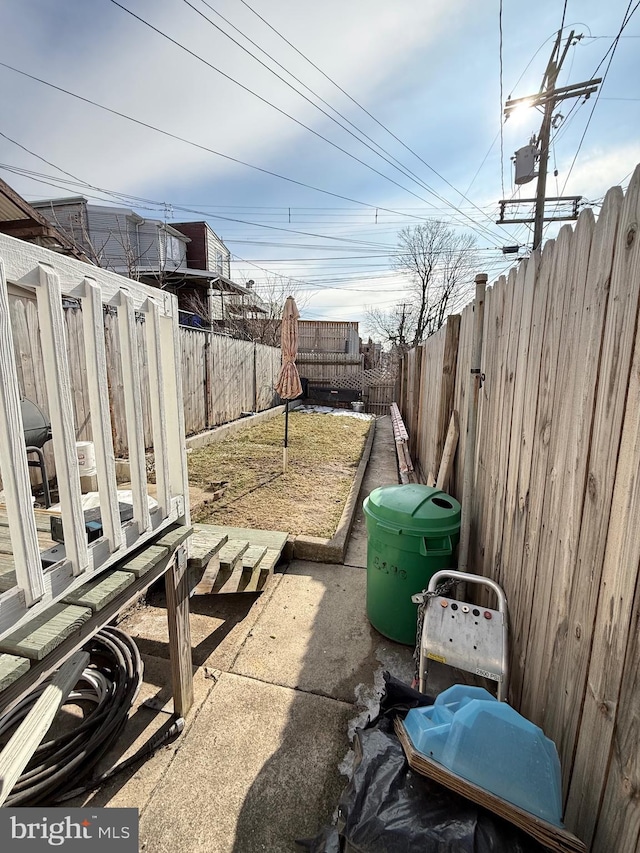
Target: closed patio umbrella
[{"x": 288, "y": 385}]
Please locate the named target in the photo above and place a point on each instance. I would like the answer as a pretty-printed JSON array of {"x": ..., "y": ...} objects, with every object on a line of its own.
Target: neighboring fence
[
  {"x": 323, "y": 368},
  {"x": 556, "y": 504},
  {"x": 221, "y": 377},
  {"x": 377, "y": 386}
]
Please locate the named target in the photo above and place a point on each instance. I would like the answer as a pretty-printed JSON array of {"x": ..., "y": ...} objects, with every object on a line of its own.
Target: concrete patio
[{"x": 281, "y": 681}]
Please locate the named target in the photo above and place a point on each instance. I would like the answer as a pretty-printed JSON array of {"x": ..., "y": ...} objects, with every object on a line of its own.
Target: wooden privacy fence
[
  {"x": 555, "y": 511},
  {"x": 221, "y": 376}
]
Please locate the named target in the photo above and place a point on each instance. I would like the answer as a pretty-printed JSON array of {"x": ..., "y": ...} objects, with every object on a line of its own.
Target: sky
[{"x": 408, "y": 127}]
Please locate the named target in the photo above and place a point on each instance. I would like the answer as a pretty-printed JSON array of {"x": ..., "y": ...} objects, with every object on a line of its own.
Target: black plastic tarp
[{"x": 388, "y": 808}]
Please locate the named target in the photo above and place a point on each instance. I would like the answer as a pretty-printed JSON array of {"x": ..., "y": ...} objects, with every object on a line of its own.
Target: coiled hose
[{"x": 60, "y": 767}]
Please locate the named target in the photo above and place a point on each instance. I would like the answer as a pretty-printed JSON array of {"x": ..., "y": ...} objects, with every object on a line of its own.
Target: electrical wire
[
  {"x": 612, "y": 49},
  {"x": 396, "y": 163},
  {"x": 478, "y": 227},
  {"x": 201, "y": 147},
  {"x": 110, "y": 684},
  {"x": 359, "y": 105}
]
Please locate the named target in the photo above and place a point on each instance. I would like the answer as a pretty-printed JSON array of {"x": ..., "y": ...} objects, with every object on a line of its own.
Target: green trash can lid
[{"x": 414, "y": 509}]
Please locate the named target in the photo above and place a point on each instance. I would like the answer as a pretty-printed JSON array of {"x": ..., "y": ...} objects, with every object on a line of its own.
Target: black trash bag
[{"x": 388, "y": 808}]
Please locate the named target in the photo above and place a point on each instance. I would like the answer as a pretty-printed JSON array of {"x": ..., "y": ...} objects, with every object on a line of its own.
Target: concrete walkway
[{"x": 281, "y": 680}]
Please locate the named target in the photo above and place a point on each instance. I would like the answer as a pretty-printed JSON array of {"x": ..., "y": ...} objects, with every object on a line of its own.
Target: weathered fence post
[{"x": 472, "y": 417}]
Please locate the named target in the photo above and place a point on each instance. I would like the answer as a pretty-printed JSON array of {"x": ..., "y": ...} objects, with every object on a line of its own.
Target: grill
[{"x": 37, "y": 431}]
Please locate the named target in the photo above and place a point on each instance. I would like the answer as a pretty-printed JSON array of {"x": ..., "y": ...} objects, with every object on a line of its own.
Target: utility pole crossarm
[{"x": 546, "y": 99}]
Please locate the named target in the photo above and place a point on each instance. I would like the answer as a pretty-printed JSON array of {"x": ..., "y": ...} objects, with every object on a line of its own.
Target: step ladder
[{"x": 464, "y": 635}]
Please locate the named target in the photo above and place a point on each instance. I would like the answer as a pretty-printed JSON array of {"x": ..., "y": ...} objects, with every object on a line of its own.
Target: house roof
[{"x": 21, "y": 220}]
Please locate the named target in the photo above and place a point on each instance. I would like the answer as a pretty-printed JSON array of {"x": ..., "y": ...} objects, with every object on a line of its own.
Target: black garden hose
[{"x": 63, "y": 764}]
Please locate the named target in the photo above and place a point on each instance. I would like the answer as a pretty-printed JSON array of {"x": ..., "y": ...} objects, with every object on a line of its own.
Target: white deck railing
[{"x": 27, "y": 270}]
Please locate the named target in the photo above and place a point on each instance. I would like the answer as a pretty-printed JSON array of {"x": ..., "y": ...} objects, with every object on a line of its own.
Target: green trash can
[{"x": 412, "y": 531}]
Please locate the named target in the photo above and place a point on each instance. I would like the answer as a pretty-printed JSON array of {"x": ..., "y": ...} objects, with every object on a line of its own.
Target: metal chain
[{"x": 421, "y": 599}]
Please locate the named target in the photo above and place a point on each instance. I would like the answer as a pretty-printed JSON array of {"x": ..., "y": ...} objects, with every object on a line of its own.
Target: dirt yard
[{"x": 243, "y": 474}]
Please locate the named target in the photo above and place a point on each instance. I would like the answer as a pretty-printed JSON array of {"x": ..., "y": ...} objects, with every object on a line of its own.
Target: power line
[
  {"x": 358, "y": 104},
  {"x": 612, "y": 49},
  {"x": 197, "y": 145},
  {"x": 292, "y": 118},
  {"x": 400, "y": 166}
]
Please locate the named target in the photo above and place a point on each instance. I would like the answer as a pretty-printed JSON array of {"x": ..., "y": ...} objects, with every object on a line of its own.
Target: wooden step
[
  {"x": 231, "y": 553},
  {"x": 220, "y": 574},
  {"x": 253, "y": 555},
  {"x": 204, "y": 544}
]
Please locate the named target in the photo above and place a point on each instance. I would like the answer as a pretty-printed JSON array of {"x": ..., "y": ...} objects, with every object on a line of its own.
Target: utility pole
[{"x": 547, "y": 99}]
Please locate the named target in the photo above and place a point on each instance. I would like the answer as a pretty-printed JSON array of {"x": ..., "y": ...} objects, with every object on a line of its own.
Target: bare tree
[{"x": 440, "y": 265}]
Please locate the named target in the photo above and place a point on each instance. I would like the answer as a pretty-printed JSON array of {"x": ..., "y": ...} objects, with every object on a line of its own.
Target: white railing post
[
  {"x": 158, "y": 405},
  {"x": 56, "y": 370},
  {"x": 98, "y": 390},
  {"x": 133, "y": 409},
  {"x": 172, "y": 377},
  {"x": 13, "y": 464}
]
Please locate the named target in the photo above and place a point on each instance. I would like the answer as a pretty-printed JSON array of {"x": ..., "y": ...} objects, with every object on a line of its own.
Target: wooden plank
[
  {"x": 133, "y": 409},
  {"x": 13, "y": 463},
  {"x": 618, "y": 826},
  {"x": 158, "y": 406},
  {"x": 173, "y": 537},
  {"x": 101, "y": 591},
  {"x": 495, "y": 564},
  {"x": 548, "y": 834},
  {"x": 177, "y": 593},
  {"x": 512, "y": 547},
  {"x": 145, "y": 561},
  {"x": 271, "y": 538},
  {"x": 604, "y": 351},
  {"x": 614, "y": 614},
  {"x": 231, "y": 553},
  {"x": 568, "y": 457},
  {"x": 448, "y": 454},
  {"x": 46, "y": 631},
  {"x": 203, "y": 545},
  {"x": 520, "y": 560},
  {"x": 11, "y": 668},
  {"x": 447, "y": 381},
  {"x": 98, "y": 389},
  {"x": 204, "y": 581},
  {"x": 255, "y": 581},
  {"x": 541, "y": 486},
  {"x": 253, "y": 555},
  {"x": 56, "y": 369},
  {"x": 27, "y": 737},
  {"x": 229, "y": 579}
]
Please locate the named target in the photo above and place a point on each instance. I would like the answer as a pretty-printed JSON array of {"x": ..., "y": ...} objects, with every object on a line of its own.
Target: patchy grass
[{"x": 246, "y": 469}]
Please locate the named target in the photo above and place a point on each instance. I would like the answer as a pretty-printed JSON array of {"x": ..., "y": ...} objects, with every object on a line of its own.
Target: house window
[{"x": 170, "y": 249}]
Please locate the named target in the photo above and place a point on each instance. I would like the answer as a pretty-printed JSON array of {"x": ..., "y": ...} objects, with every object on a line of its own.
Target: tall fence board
[{"x": 556, "y": 503}]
